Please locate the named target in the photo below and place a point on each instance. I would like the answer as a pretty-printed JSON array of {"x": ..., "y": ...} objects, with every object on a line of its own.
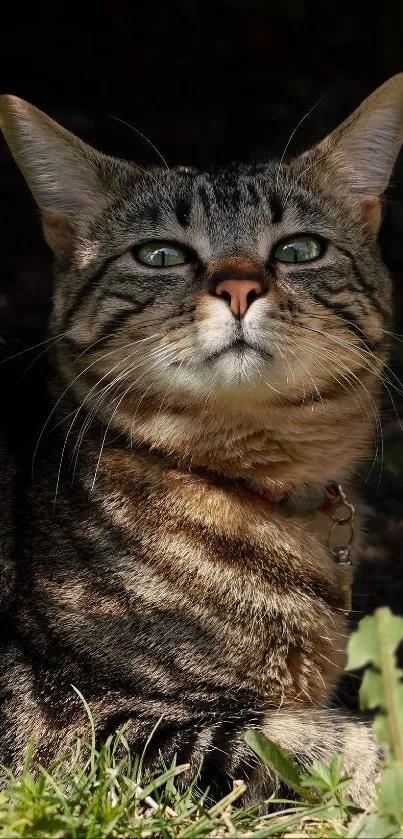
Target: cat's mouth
[
  {"x": 240, "y": 349},
  {"x": 228, "y": 363}
]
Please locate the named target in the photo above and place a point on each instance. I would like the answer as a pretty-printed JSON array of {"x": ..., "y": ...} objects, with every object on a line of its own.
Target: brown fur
[{"x": 139, "y": 565}]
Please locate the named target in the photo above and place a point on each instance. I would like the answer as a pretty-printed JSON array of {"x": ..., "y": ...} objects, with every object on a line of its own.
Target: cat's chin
[{"x": 238, "y": 366}]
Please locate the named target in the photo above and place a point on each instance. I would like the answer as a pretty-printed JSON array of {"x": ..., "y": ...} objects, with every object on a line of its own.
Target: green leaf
[
  {"x": 162, "y": 779},
  {"x": 29, "y": 754},
  {"x": 319, "y": 776},
  {"x": 335, "y": 770},
  {"x": 363, "y": 646},
  {"x": 273, "y": 757},
  {"x": 372, "y": 691},
  {"x": 376, "y": 827},
  {"x": 391, "y": 793},
  {"x": 382, "y": 729},
  {"x": 374, "y": 643},
  {"x": 390, "y": 632},
  {"x": 281, "y": 764}
]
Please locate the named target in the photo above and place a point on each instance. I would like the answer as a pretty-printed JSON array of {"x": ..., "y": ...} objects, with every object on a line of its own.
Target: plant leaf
[
  {"x": 273, "y": 756},
  {"x": 382, "y": 729},
  {"x": 363, "y": 646},
  {"x": 372, "y": 691},
  {"x": 376, "y": 827},
  {"x": 335, "y": 769},
  {"x": 319, "y": 776},
  {"x": 281, "y": 764},
  {"x": 374, "y": 642},
  {"x": 390, "y": 633},
  {"x": 391, "y": 793}
]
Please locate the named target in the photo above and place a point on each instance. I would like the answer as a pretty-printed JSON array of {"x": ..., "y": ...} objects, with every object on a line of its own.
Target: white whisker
[
  {"x": 75, "y": 380},
  {"x": 101, "y": 396},
  {"x": 123, "y": 122},
  {"x": 293, "y": 133},
  {"x": 132, "y": 384}
]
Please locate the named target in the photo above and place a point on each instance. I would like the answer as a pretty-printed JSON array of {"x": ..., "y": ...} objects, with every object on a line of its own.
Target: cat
[{"x": 215, "y": 349}]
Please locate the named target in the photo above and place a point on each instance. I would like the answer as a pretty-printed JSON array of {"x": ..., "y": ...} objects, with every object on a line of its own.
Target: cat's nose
[{"x": 239, "y": 294}]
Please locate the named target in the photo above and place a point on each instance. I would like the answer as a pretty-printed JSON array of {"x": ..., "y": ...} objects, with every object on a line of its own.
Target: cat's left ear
[
  {"x": 360, "y": 154},
  {"x": 67, "y": 178}
]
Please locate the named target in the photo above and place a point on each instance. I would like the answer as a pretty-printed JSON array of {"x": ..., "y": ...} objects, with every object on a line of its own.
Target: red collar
[
  {"x": 327, "y": 495},
  {"x": 323, "y": 497}
]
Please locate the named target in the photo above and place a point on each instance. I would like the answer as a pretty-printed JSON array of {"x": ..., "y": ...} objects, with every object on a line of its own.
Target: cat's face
[
  {"x": 238, "y": 283},
  {"x": 255, "y": 285}
]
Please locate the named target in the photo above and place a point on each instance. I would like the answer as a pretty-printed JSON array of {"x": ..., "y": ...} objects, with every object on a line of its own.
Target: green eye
[
  {"x": 303, "y": 249},
  {"x": 161, "y": 255}
]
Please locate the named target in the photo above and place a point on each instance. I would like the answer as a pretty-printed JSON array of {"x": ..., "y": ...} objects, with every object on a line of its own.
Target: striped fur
[{"x": 138, "y": 567}]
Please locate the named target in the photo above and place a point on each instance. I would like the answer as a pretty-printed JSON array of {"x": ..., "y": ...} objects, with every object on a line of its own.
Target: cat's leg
[
  {"x": 308, "y": 734},
  {"x": 319, "y": 734},
  {"x": 213, "y": 740}
]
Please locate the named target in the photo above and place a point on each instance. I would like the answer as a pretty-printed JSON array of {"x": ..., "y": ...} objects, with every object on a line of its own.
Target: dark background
[{"x": 206, "y": 82}]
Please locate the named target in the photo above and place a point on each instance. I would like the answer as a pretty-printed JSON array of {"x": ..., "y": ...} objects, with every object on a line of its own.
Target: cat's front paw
[{"x": 312, "y": 734}]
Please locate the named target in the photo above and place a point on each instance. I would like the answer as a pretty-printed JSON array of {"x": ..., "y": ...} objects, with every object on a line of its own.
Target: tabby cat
[{"x": 216, "y": 345}]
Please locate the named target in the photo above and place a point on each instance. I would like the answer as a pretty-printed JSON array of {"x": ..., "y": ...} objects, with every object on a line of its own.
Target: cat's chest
[
  {"x": 182, "y": 584},
  {"x": 218, "y": 537},
  {"x": 231, "y": 591}
]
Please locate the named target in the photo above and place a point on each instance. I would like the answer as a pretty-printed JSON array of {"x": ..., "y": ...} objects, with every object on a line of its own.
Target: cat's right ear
[
  {"x": 358, "y": 157},
  {"x": 64, "y": 174}
]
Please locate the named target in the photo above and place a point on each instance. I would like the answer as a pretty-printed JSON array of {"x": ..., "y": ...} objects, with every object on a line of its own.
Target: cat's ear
[
  {"x": 63, "y": 173},
  {"x": 362, "y": 151}
]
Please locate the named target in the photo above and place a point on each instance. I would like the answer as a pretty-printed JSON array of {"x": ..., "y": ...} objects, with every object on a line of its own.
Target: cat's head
[{"x": 250, "y": 288}]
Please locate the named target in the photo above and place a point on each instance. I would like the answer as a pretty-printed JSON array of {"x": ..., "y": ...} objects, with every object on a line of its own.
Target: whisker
[
  {"x": 285, "y": 362},
  {"x": 366, "y": 350},
  {"x": 364, "y": 354},
  {"x": 114, "y": 412},
  {"x": 86, "y": 423},
  {"x": 386, "y": 383},
  {"x": 185, "y": 349},
  {"x": 395, "y": 335},
  {"x": 123, "y": 122},
  {"x": 293, "y": 133},
  {"x": 94, "y": 344},
  {"x": 53, "y": 338},
  {"x": 311, "y": 378},
  {"x": 110, "y": 386},
  {"x": 172, "y": 358},
  {"x": 73, "y": 382},
  {"x": 371, "y": 401},
  {"x": 315, "y": 162}
]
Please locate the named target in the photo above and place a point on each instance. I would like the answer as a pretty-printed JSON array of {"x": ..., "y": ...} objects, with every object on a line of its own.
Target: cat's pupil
[
  {"x": 303, "y": 249},
  {"x": 161, "y": 255}
]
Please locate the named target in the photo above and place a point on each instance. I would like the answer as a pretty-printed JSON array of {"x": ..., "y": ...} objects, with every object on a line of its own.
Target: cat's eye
[
  {"x": 161, "y": 255},
  {"x": 300, "y": 249}
]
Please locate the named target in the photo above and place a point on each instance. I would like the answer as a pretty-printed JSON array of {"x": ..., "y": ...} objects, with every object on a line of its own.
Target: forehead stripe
[
  {"x": 276, "y": 209},
  {"x": 204, "y": 199}
]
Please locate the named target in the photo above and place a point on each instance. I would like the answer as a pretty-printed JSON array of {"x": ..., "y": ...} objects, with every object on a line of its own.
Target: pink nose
[{"x": 239, "y": 294}]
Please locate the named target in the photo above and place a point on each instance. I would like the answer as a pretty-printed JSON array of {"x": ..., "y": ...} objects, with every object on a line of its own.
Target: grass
[
  {"x": 94, "y": 794},
  {"x": 106, "y": 793}
]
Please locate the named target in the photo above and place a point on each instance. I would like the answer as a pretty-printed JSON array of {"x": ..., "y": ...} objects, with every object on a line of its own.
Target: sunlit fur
[{"x": 152, "y": 578}]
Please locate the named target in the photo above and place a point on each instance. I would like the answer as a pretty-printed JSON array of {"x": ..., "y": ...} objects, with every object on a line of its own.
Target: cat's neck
[
  {"x": 273, "y": 445},
  {"x": 275, "y": 449}
]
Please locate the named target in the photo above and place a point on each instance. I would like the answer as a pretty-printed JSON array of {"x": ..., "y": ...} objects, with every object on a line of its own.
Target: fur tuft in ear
[
  {"x": 356, "y": 160},
  {"x": 363, "y": 149}
]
